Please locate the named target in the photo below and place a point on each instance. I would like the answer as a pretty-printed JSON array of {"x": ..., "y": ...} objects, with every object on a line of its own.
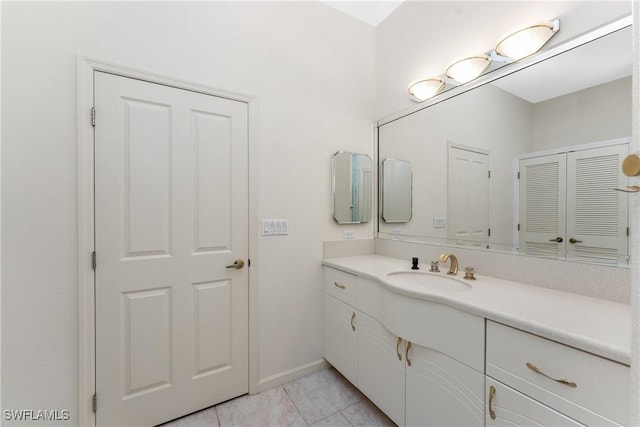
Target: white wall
[
  {"x": 309, "y": 66},
  {"x": 421, "y": 38},
  {"x": 596, "y": 114}
]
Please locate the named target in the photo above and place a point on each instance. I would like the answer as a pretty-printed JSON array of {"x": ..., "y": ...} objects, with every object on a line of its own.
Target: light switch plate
[
  {"x": 274, "y": 227},
  {"x": 439, "y": 222}
]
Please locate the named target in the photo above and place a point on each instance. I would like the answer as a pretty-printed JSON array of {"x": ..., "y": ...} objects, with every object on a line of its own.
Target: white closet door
[
  {"x": 468, "y": 194},
  {"x": 171, "y": 212},
  {"x": 597, "y": 216},
  {"x": 543, "y": 206}
]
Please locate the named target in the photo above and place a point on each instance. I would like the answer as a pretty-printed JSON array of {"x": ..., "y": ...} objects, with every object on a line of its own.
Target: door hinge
[
  {"x": 518, "y": 175},
  {"x": 627, "y": 231},
  {"x": 94, "y": 403},
  {"x": 489, "y": 232},
  {"x": 94, "y": 260},
  {"x": 489, "y": 173},
  {"x": 249, "y": 262},
  {"x": 518, "y": 227},
  {"x": 93, "y": 116}
]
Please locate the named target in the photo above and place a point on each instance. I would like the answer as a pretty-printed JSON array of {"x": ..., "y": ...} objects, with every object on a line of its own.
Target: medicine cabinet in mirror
[
  {"x": 525, "y": 160},
  {"x": 352, "y": 188}
]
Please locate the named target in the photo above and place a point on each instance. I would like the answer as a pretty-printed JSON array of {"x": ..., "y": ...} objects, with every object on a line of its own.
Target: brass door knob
[
  {"x": 237, "y": 264},
  {"x": 557, "y": 239},
  {"x": 631, "y": 165},
  {"x": 574, "y": 240}
]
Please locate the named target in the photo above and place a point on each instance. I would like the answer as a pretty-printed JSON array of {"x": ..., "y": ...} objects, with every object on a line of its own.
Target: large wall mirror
[
  {"x": 352, "y": 188},
  {"x": 527, "y": 161}
]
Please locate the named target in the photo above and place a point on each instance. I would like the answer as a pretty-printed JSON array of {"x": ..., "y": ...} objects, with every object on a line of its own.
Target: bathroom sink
[{"x": 432, "y": 281}]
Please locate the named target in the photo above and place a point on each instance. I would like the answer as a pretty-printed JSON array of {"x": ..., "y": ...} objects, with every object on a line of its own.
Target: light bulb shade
[
  {"x": 526, "y": 41},
  {"x": 425, "y": 89},
  {"x": 467, "y": 69}
]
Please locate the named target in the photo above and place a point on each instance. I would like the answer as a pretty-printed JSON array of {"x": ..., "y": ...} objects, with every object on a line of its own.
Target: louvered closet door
[
  {"x": 542, "y": 205},
  {"x": 597, "y": 216}
]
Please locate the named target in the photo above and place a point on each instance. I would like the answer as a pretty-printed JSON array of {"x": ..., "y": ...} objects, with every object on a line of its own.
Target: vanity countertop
[{"x": 597, "y": 326}]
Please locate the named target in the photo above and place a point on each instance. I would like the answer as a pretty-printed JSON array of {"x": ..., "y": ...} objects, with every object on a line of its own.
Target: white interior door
[
  {"x": 543, "y": 205},
  {"x": 597, "y": 216},
  {"x": 468, "y": 192},
  {"x": 171, "y": 213}
]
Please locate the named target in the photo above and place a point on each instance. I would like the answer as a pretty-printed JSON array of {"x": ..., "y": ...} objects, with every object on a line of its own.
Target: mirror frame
[{"x": 565, "y": 46}]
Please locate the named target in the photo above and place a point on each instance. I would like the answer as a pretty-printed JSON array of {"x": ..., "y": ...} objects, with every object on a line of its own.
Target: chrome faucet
[{"x": 453, "y": 269}]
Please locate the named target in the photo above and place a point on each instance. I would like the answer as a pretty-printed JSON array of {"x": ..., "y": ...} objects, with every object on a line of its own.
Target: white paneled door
[{"x": 171, "y": 203}]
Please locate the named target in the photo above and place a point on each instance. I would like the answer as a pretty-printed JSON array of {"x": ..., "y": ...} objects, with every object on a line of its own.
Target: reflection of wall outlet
[
  {"x": 348, "y": 234},
  {"x": 439, "y": 222},
  {"x": 395, "y": 231}
]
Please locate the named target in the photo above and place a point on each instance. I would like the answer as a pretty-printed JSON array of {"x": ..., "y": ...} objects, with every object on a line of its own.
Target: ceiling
[{"x": 368, "y": 11}]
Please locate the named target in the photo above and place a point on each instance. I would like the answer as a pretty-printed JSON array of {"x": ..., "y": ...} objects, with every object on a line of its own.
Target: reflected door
[
  {"x": 468, "y": 195},
  {"x": 543, "y": 206},
  {"x": 171, "y": 213}
]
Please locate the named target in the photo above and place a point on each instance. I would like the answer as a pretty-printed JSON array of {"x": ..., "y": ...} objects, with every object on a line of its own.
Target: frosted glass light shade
[
  {"x": 467, "y": 69},
  {"x": 427, "y": 88},
  {"x": 527, "y": 41}
]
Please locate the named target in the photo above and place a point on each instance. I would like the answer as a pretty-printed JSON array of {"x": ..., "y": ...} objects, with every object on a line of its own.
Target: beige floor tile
[
  {"x": 365, "y": 413},
  {"x": 335, "y": 420},
  {"x": 321, "y": 394},
  {"x": 205, "y": 418},
  {"x": 269, "y": 408}
]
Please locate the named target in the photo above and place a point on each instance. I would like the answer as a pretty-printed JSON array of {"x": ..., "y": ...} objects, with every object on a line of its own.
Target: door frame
[{"x": 86, "y": 227}]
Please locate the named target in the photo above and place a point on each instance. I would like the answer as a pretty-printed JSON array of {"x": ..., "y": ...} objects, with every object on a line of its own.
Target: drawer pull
[
  {"x": 338, "y": 285},
  {"x": 537, "y": 370},
  {"x": 398, "y": 348},
  {"x": 492, "y": 394},
  {"x": 353, "y": 317},
  {"x": 407, "y": 353}
]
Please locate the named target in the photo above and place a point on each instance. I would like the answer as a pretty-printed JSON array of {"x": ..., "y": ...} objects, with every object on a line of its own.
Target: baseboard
[{"x": 291, "y": 375}]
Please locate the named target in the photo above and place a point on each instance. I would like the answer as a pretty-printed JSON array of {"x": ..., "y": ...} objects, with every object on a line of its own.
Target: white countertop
[{"x": 598, "y": 326}]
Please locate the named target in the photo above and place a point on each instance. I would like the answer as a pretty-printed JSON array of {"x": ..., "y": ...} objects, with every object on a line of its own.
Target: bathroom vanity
[{"x": 432, "y": 349}]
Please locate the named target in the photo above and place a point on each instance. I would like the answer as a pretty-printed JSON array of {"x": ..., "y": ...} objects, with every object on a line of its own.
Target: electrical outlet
[{"x": 348, "y": 235}]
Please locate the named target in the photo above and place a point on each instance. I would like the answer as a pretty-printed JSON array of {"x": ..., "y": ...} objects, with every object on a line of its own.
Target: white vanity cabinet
[
  {"x": 587, "y": 388},
  {"x": 421, "y": 363},
  {"x": 381, "y": 367},
  {"x": 441, "y": 391},
  {"x": 339, "y": 336}
]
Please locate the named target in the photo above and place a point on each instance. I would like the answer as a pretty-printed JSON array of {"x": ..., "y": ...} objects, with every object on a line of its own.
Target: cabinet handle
[
  {"x": 574, "y": 240},
  {"x": 492, "y": 394},
  {"x": 407, "y": 353},
  {"x": 337, "y": 285},
  {"x": 537, "y": 370},
  {"x": 398, "y": 348},
  {"x": 557, "y": 239},
  {"x": 353, "y": 317}
]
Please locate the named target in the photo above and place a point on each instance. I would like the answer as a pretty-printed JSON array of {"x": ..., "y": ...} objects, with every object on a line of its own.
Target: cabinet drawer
[
  {"x": 601, "y": 392},
  {"x": 341, "y": 285}
]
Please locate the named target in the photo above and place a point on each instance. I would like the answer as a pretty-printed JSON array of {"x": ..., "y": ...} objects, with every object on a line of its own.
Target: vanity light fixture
[
  {"x": 427, "y": 88},
  {"x": 512, "y": 47},
  {"x": 526, "y": 41},
  {"x": 468, "y": 69}
]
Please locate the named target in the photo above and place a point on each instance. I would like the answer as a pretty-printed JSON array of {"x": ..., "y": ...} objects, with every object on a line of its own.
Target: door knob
[
  {"x": 574, "y": 240},
  {"x": 237, "y": 264},
  {"x": 557, "y": 239}
]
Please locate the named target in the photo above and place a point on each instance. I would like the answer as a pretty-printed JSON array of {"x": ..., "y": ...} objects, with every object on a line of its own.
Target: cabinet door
[
  {"x": 340, "y": 337},
  {"x": 381, "y": 366},
  {"x": 441, "y": 391},
  {"x": 507, "y": 407}
]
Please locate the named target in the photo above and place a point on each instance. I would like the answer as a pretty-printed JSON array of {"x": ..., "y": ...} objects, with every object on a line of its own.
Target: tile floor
[{"x": 321, "y": 399}]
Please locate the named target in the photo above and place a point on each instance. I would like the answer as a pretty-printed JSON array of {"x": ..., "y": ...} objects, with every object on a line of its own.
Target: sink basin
[{"x": 431, "y": 281}]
